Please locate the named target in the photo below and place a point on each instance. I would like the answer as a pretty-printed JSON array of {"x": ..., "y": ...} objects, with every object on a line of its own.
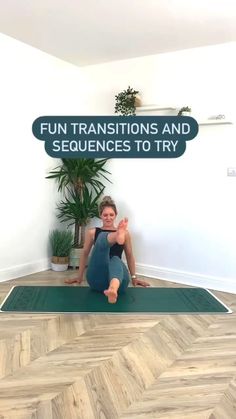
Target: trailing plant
[
  {"x": 125, "y": 102},
  {"x": 61, "y": 242},
  {"x": 184, "y": 109}
]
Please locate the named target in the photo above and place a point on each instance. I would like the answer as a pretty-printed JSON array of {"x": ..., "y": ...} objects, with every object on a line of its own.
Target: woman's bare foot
[
  {"x": 121, "y": 231},
  {"x": 111, "y": 294}
]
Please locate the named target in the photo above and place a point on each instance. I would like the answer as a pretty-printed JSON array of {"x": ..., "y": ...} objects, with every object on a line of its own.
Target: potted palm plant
[
  {"x": 78, "y": 209},
  {"x": 82, "y": 182},
  {"x": 61, "y": 244}
]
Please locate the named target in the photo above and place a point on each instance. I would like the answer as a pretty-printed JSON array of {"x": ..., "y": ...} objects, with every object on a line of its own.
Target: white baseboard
[
  {"x": 188, "y": 278},
  {"x": 25, "y": 269},
  {"x": 180, "y": 277}
]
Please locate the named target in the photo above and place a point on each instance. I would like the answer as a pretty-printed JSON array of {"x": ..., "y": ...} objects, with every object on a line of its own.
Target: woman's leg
[
  {"x": 118, "y": 279},
  {"x": 126, "y": 279},
  {"x": 98, "y": 268}
]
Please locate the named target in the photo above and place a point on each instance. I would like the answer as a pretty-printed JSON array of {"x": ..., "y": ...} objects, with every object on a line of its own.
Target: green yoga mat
[{"x": 64, "y": 299}]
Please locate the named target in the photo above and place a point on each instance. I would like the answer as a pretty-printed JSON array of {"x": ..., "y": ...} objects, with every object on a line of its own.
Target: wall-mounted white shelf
[
  {"x": 147, "y": 108},
  {"x": 214, "y": 122}
]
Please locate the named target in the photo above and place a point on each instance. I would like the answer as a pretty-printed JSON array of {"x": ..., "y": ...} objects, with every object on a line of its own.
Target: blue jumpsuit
[{"x": 105, "y": 263}]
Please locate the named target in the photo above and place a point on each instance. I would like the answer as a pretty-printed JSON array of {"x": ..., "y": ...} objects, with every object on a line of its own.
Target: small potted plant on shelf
[
  {"x": 61, "y": 243},
  {"x": 185, "y": 111},
  {"x": 127, "y": 101}
]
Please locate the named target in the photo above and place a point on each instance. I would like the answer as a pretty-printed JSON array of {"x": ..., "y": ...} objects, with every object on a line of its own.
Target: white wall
[
  {"x": 182, "y": 211},
  {"x": 32, "y": 83}
]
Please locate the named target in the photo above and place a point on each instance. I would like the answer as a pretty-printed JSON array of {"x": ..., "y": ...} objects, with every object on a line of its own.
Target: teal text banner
[{"x": 112, "y": 136}]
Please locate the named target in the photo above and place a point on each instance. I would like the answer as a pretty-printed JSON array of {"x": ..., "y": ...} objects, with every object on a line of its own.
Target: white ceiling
[{"x": 86, "y": 32}]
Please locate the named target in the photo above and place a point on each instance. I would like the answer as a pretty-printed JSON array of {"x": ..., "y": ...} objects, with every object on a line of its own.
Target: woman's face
[{"x": 108, "y": 216}]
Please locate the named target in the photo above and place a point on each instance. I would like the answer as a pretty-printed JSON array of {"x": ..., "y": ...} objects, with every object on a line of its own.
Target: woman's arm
[
  {"x": 131, "y": 262},
  {"x": 129, "y": 254}
]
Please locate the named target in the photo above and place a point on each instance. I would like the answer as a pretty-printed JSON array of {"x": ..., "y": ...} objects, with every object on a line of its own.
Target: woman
[{"x": 106, "y": 271}]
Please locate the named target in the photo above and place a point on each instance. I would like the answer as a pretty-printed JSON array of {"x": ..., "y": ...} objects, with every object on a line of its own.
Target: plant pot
[
  {"x": 138, "y": 101},
  {"x": 186, "y": 113},
  {"x": 75, "y": 255},
  {"x": 59, "y": 264}
]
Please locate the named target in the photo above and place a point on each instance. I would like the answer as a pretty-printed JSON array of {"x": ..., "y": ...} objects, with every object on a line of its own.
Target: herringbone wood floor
[{"x": 104, "y": 366}]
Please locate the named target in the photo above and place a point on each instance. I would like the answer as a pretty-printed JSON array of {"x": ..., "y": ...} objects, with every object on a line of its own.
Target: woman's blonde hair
[{"x": 107, "y": 201}]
